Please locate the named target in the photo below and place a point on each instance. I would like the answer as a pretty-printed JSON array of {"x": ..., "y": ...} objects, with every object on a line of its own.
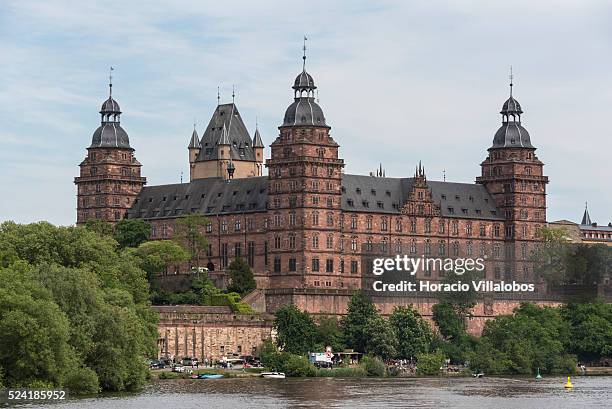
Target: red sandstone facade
[{"x": 306, "y": 227}]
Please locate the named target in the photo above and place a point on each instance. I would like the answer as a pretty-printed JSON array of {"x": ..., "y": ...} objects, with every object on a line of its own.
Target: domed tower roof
[
  {"x": 110, "y": 134},
  {"x": 304, "y": 81},
  {"x": 511, "y": 134},
  {"x": 304, "y": 111},
  {"x": 110, "y": 106}
]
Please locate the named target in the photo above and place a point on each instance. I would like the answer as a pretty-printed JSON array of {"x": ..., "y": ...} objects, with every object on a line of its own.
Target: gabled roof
[
  {"x": 387, "y": 195},
  {"x": 203, "y": 196},
  {"x": 237, "y": 135},
  {"x": 367, "y": 194}
]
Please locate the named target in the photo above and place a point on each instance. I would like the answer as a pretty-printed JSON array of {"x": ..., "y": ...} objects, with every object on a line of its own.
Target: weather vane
[{"x": 304, "y": 56}]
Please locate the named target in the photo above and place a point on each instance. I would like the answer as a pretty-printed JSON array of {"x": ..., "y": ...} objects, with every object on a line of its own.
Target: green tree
[
  {"x": 330, "y": 334},
  {"x": 450, "y": 324},
  {"x": 296, "y": 330},
  {"x": 241, "y": 277},
  {"x": 534, "y": 337},
  {"x": 158, "y": 255},
  {"x": 413, "y": 333},
  {"x": 132, "y": 232},
  {"x": 462, "y": 301},
  {"x": 188, "y": 232},
  {"x": 590, "y": 329},
  {"x": 102, "y": 227},
  {"x": 33, "y": 333},
  {"x": 360, "y": 311},
  {"x": 381, "y": 339},
  {"x": 78, "y": 308}
]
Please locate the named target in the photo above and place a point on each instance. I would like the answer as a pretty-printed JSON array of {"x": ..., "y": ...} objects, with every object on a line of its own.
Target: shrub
[
  {"x": 373, "y": 366},
  {"x": 82, "y": 381},
  {"x": 357, "y": 372},
  {"x": 296, "y": 366},
  {"x": 429, "y": 364}
]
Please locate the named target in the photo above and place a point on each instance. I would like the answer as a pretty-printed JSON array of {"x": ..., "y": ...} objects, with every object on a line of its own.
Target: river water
[{"x": 358, "y": 393}]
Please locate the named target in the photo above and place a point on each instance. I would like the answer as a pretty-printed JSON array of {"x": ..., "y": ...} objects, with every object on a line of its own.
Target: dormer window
[
  {"x": 451, "y": 210},
  {"x": 457, "y": 197},
  {"x": 358, "y": 190},
  {"x": 373, "y": 192},
  {"x": 443, "y": 197}
]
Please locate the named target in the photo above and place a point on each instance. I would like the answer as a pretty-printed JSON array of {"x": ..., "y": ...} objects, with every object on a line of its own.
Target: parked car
[
  {"x": 157, "y": 364},
  {"x": 189, "y": 361}
]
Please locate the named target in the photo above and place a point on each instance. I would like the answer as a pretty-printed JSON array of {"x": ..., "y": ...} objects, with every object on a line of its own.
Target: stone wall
[
  {"x": 209, "y": 332},
  {"x": 335, "y": 302}
]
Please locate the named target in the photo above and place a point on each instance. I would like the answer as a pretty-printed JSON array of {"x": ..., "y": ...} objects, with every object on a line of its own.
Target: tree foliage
[
  {"x": 158, "y": 255},
  {"x": 132, "y": 232},
  {"x": 381, "y": 338},
  {"x": 534, "y": 337},
  {"x": 354, "y": 323},
  {"x": 188, "y": 231},
  {"x": 73, "y": 311},
  {"x": 241, "y": 277},
  {"x": 296, "y": 330},
  {"x": 590, "y": 329},
  {"x": 414, "y": 335}
]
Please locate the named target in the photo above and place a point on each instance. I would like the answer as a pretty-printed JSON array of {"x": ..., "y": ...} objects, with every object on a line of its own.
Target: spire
[
  {"x": 586, "y": 219},
  {"x": 194, "y": 143},
  {"x": 110, "y": 82},
  {"x": 224, "y": 139},
  {"x": 257, "y": 142},
  {"x": 304, "y": 56},
  {"x": 233, "y": 93}
]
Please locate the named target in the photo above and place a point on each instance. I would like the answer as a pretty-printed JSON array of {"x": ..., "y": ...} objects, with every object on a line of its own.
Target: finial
[
  {"x": 586, "y": 205},
  {"x": 194, "y": 124},
  {"x": 110, "y": 82},
  {"x": 233, "y": 93},
  {"x": 317, "y": 96},
  {"x": 256, "y": 123},
  {"x": 444, "y": 175},
  {"x": 218, "y": 96},
  {"x": 511, "y": 80},
  {"x": 304, "y": 56},
  {"x": 181, "y": 176}
]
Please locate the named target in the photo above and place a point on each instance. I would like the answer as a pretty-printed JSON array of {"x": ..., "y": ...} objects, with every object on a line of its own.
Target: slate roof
[
  {"x": 226, "y": 115},
  {"x": 368, "y": 194},
  {"x": 387, "y": 195},
  {"x": 204, "y": 196},
  {"x": 110, "y": 135},
  {"x": 512, "y": 134}
]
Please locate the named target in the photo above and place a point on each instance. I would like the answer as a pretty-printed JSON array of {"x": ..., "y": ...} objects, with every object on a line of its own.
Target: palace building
[{"x": 306, "y": 226}]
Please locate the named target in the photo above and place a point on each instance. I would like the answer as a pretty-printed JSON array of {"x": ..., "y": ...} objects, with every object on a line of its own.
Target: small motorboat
[
  {"x": 478, "y": 375},
  {"x": 210, "y": 376},
  {"x": 273, "y": 375}
]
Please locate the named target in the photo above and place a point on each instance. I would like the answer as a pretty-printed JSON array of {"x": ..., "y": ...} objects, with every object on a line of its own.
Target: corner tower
[
  {"x": 304, "y": 195},
  {"x": 514, "y": 176},
  {"x": 109, "y": 179}
]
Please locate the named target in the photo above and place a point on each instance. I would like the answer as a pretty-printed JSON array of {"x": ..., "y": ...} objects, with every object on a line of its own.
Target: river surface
[{"x": 385, "y": 393}]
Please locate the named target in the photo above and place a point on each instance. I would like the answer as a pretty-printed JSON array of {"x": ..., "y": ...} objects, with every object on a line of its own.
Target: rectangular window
[
  {"x": 224, "y": 255},
  {"x": 354, "y": 267},
  {"x": 329, "y": 265},
  {"x": 237, "y": 250},
  {"x": 277, "y": 264},
  {"x": 251, "y": 253},
  {"x": 265, "y": 253},
  {"x": 291, "y": 264},
  {"x": 315, "y": 264}
]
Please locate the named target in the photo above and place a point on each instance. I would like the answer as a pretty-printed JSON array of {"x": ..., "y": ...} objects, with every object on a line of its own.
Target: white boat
[{"x": 273, "y": 375}]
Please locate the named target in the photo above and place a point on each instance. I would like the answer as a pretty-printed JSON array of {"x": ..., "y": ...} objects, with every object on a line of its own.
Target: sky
[{"x": 398, "y": 81}]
